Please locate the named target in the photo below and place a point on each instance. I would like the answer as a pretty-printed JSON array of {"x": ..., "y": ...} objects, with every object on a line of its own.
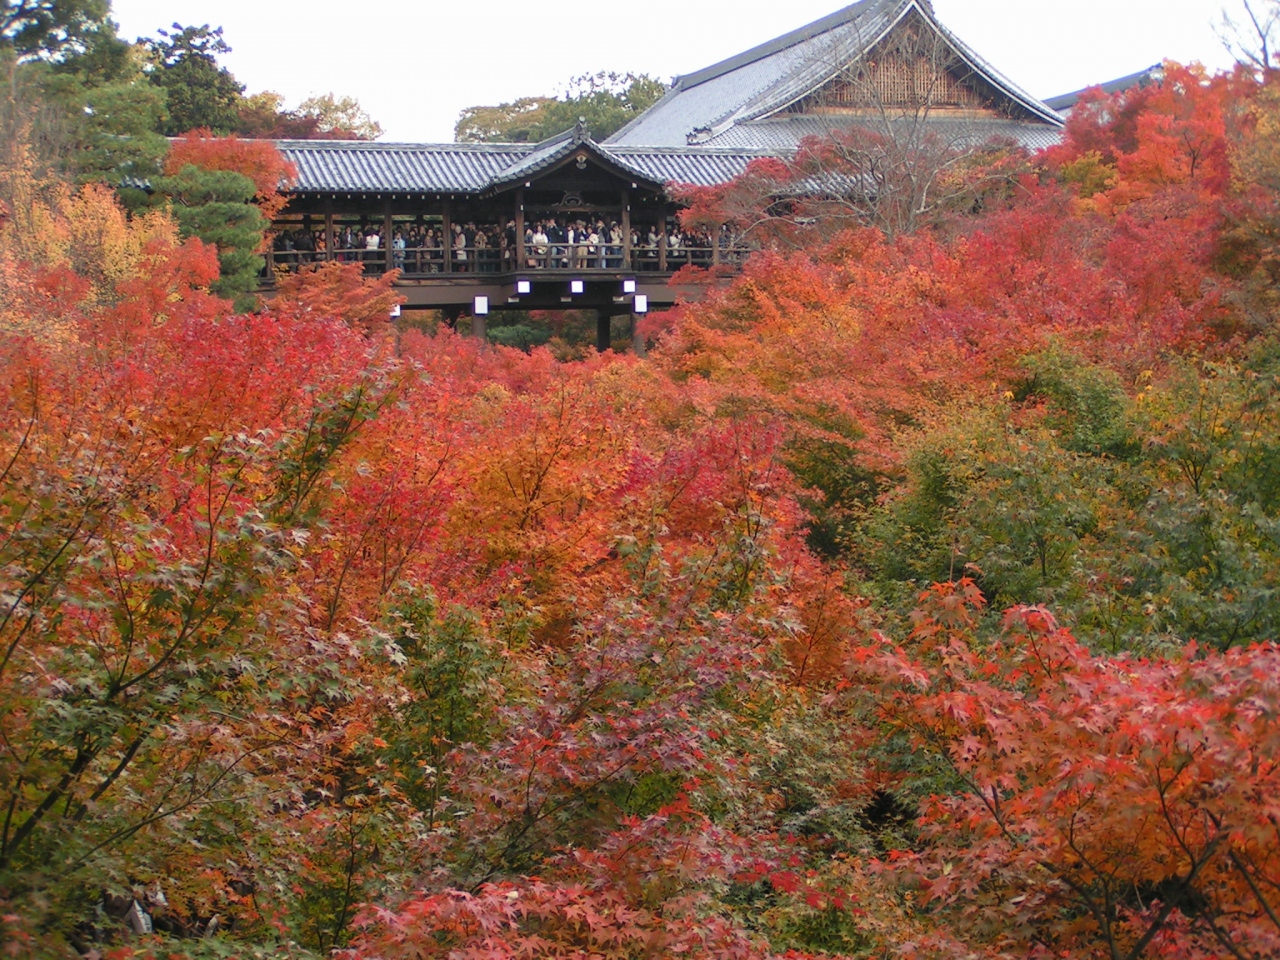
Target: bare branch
[{"x": 1251, "y": 41}]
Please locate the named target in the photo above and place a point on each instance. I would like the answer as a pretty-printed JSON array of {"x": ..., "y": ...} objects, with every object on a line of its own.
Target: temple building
[
  {"x": 872, "y": 61},
  {"x": 486, "y": 226}
]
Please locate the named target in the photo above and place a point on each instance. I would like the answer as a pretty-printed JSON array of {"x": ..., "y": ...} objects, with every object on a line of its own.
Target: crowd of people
[{"x": 551, "y": 243}]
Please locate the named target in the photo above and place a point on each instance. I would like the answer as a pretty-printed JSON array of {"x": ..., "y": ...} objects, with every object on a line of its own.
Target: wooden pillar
[
  {"x": 662, "y": 243},
  {"x": 637, "y": 339},
  {"x": 330, "y": 240},
  {"x": 446, "y": 241},
  {"x": 604, "y": 330},
  {"x": 387, "y": 225},
  {"x": 477, "y": 326},
  {"x": 521, "y": 260},
  {"x": 715, "y": 246},
  {"x": 626, "y": 230}
]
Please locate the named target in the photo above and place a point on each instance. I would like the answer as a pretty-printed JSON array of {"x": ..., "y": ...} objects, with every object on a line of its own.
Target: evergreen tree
[
  {"x": 606, "y": 102},
  {"x": 49, "y": 29},
  {"x": 200, "y": 93},
  {"x": 214, "y": 206}
]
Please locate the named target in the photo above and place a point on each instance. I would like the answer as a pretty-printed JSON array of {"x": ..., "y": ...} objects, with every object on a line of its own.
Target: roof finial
[{"x": 580, "y": 131}]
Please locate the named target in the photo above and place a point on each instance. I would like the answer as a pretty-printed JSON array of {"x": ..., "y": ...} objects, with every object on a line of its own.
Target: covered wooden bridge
[{"x": 565, "y": 224}]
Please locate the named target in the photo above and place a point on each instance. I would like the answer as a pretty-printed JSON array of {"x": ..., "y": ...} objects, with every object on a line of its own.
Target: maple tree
[
  {"x": 262, "y": 163},
  {"x": 1107, "y": 808}
]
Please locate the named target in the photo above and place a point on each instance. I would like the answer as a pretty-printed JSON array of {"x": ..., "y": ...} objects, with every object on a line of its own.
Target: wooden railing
[{"x": 417, "y": 263}]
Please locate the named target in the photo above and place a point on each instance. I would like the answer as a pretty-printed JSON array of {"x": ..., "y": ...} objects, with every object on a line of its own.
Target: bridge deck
[{"x": 607, "y": 276}]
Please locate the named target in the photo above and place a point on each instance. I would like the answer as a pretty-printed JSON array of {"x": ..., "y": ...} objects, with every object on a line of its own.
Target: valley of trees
[{"x": 915, "y": 597}]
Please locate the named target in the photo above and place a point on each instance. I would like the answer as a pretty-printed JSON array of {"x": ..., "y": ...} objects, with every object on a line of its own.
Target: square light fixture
[
  {"x": 640, "y": 304},
  {"x": 480, "y": 307},
  {"x": 628, "y": 286},
  {"x": 395, "y": 311},
  {"x": 524, "y": 287},
  {"x": 576, "y": 286}
]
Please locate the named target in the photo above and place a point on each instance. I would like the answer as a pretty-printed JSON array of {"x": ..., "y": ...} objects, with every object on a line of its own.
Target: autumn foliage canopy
[{"x": 915, "y": 597}]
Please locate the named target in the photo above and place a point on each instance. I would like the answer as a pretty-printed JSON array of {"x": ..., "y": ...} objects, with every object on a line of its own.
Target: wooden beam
[
  {"x": 330, "y": 240},
  {"x": 638, "y": 346},
  {"x": 521, "y": 263},
  {"x": 604, "y": 330},
  {"x": 387, "y": 224},
  {"x": 626, "y": 229},
  {"x": 446, "y": 241}
]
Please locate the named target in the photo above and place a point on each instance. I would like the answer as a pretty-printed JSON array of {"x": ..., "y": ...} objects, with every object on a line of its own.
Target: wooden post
[
  {"x": 626, "y": 230},
  {"x": 715, "y": 246},
  {"x": 519, "y": 251},
  {"x": 330, "y": 240},
  {"x": 604, "y": 330},
  {"x": 446, "y": 241},
  {"x": 477, "y": 326},
  {"x": 387, "y": 225},
  {"x": 637, "y": 339},
  {"x": 662, "y": 244}
]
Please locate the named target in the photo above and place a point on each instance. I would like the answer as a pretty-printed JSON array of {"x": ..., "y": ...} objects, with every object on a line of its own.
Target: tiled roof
[
  {"x": 346, "y": 166},
  {"x": 542, "y": 155},
  {"x": 781, "y": 134},
  {"x": 702, "y": 106},
  {"x": 342, "y": 166},
  {"x": 701, "y": 166},
  {"x": 1067, "y": 101}
]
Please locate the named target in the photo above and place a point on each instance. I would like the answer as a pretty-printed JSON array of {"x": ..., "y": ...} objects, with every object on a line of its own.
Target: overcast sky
[{"x": 415, "y": 65}]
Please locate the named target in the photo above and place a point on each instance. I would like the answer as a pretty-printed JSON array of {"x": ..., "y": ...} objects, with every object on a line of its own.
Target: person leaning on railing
[
  {"x": 435, "y": 253},
  {"x": 538, "y": 242},
  {"x": 459, "y": 243},
  {"x": 398, "y": 247}
]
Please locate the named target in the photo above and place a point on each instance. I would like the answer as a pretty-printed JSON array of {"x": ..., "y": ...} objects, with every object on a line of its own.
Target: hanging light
[
  {"x": 480, "y": 306},
  {"x": 640, "y": 304},
  {"x": 576, "y": 286},
  {"x": 524, "y": 287},
  {"x": 628, "y": 286}
]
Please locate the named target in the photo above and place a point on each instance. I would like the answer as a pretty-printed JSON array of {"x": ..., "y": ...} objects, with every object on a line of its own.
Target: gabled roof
[
  {"x": 542, "y": 155},
  {"x": 358, "y": 166},
  {"x": 700, "y": 107},
  {"x": 654, "y": 170}
]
